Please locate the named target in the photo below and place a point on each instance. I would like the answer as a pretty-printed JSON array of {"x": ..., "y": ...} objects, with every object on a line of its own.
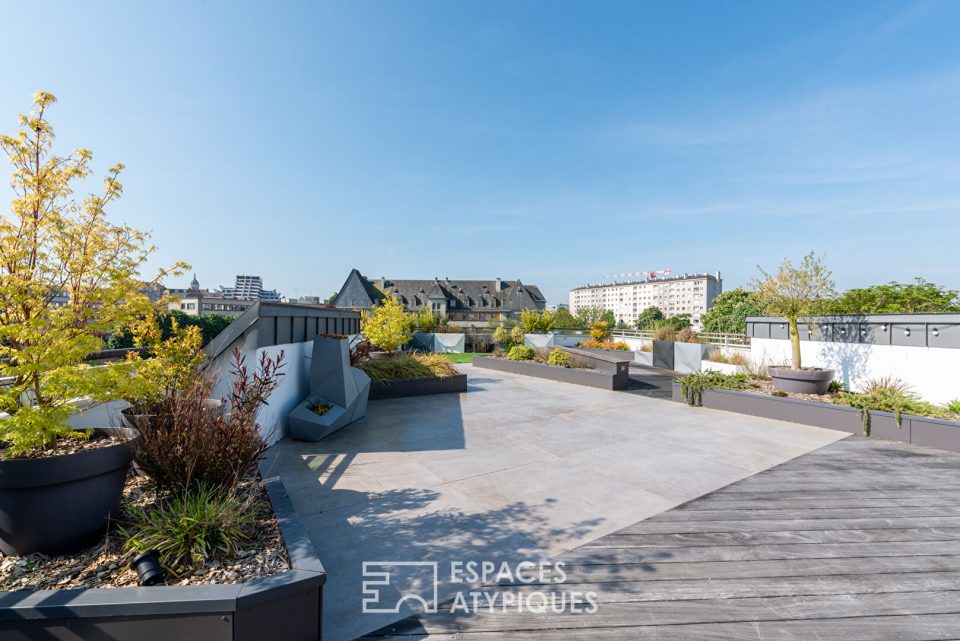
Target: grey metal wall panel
[
  {"x": 779, "y": 331},
  {"x": 299, "y": 332},
  {"x": 944, "y": 336},
  {"x": 872, "y": 329},
  {"x": 284, "y": 326},
  {"x": 267, "y": 326},
  {"x": 909, "y": 334}
]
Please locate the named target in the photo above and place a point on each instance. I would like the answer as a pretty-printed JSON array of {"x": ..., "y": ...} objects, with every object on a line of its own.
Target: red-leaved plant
[{"x": 195, "y": 441}]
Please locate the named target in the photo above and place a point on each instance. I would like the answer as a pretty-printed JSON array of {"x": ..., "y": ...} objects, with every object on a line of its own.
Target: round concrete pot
[
  {"x": 60, "y": 504},
  {"x": 801, "y": 381}
]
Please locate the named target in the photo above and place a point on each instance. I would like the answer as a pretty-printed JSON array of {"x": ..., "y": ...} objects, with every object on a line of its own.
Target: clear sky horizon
[{"x": 554, "y": 142}]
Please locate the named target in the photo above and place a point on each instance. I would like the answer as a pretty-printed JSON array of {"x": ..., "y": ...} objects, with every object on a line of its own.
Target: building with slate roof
[{"x": 465, "y": 302}]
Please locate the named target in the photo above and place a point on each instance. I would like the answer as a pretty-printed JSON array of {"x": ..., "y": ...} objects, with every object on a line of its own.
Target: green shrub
[
  {"x": 888, "y": 395},
  {"x": 953, "y": 406},
  {"x": 835, "y": 387},
  {"x": 559, "y": 358},
  {"x": 520, "y": 353},
  {"x": 693, "y": 384},
  {"x": 517, "y": 335},
  {"x": 536, "y": 322},
  {"x": 187, "y": 529},
  {"x": 501, "y": 338},
  {"x": 387, "y": 325},
  {"x": 600, "y": 331}
]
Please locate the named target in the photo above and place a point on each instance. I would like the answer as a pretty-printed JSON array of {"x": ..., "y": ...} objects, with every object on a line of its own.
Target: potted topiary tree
[
  {"x": 67, "y": 278},
  {"x": 794, "y": 293}
]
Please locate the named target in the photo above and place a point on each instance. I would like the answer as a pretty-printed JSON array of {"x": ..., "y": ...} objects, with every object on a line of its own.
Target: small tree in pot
[
  {"x": 794, "y": 292},
  {"x": 67, "y": 277}
]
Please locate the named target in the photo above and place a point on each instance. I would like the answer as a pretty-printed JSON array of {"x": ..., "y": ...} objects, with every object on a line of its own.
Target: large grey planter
[
  {"x": 801, "y": 381},
  {"x": 60, "y": 504},
  {"x": 663, "y": 354},
  {"x": 333, "y": 382},
  {"x": 283, "y": 606},
  {"x": 688, "y": 357}
]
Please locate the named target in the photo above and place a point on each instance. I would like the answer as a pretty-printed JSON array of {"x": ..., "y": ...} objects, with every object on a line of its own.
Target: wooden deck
[{"x": 859, "y": 540}]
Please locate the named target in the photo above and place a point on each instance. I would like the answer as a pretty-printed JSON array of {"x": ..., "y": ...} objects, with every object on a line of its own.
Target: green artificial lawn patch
[{"x": 462, "y": 358}]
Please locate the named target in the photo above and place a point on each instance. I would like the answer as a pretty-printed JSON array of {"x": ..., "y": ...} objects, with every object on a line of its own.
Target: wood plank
[
  {"x": 774, "y": 514},
  {"x": 696, "y": 554},
  {"x": 815, "y": 502},
  {"x": 934, "y": 627},
  {"x": 725, "y": 570},
  {"x": 637, "y": 540},
  {"x": 681, "y": 527},
  {"x": 694, "y": 589},
  {"x": 707, "y": 611}
]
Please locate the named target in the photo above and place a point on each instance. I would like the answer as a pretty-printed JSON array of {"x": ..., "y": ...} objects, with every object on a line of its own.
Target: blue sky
[{"x": 555, "y": 142}]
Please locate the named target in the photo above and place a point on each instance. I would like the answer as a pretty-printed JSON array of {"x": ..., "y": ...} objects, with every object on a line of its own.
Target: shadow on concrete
[{"x": 651, "y": 381}]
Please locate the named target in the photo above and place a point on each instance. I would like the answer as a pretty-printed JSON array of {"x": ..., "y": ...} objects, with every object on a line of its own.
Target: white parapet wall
[
  {"x": 294, "y": 386},
  {"x": 932, "y": 372}
]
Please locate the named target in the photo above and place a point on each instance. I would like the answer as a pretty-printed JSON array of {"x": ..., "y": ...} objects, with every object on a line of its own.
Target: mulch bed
[{"x": 106, "y": 565}]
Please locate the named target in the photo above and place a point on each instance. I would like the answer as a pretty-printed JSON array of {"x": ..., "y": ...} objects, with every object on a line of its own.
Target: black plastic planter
[
  {"x": 148, "y": 568},
  {"x": 61, "y": 504}
]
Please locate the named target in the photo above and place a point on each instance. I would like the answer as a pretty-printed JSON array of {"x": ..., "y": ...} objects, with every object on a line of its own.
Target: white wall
[
  {"x": 632, "y": 342},
  {"x": 293, "y": 387},
  {"x": 931, "y": 371}
]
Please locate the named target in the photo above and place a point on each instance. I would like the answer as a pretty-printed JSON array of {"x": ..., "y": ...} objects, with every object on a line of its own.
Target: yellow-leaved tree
[
  {"x": 795, "y": 292},
  {"x": 387, "y": 326},
  {"x": 68, "y": 277}
]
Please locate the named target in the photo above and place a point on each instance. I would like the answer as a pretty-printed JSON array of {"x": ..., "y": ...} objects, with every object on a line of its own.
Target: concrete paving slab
[{"x": 516, "y": 469}]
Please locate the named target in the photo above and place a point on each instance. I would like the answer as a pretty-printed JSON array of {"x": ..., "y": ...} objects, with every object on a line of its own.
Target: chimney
[{"x": 499, "y": 284}]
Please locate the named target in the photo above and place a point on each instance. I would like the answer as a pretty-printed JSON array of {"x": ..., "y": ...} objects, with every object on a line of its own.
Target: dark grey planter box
[
  {"x": 618, "y": 380},
  {"x": 918, "y": 430},
  {"x": 418, "y": 387},
  {"x": 619, "y": 354},
  {"x": 663, "y": 354},
  {"x": 283, "y": 606}
]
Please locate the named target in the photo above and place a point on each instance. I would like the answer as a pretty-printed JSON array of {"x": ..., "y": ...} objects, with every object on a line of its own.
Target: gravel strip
[{"x": 105, "y": 565}]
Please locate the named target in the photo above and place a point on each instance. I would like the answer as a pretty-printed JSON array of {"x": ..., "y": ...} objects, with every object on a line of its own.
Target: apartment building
[
  {"x": 684, "y": 294},
  {"x": 248, "y": 287}
]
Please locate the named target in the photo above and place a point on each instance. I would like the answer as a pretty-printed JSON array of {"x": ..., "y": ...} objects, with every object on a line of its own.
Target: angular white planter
[
  {"x": 441, "y": 343},
  {"x": 688, "y": 357},
  {"x": 644, "y": 358}
]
